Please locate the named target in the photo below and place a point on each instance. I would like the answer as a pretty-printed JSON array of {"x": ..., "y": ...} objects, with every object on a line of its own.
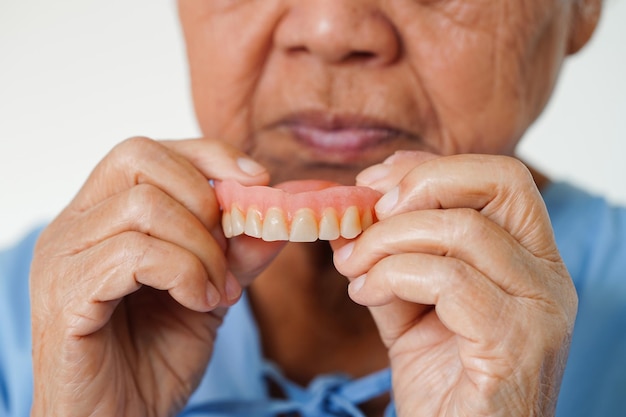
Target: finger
[
  {"x": 388, "y": 174},
  {"x": 500, "y": 188},
  {"x": 220, "y": 161},
  {"x": 147, "y": 209},
  {"x": 466, "y": 302},
  {"x": 120, "y": 265},
  {"x": 339, "y": 243},
  {"x": 248, "y": 257},
  {"x": 144, "y": 161},
  {"x": 456, "y": 233}
]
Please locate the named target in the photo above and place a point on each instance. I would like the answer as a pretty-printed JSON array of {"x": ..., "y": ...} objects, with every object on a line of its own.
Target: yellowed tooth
[
  {"x": 237, "y": 221},
  {"x": 350, "y": 223},
  {"x": 303, "y": 226},
  {"x": 254, "y": 226},
  {"x": 329, "y": 225},
  {"x": 227, "y": 225},
  {"x": 274, "y": 225},
  {"x": 367, "y": 219}
]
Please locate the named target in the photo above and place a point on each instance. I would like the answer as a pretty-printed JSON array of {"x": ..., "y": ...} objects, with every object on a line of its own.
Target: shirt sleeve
[
  {"x": 591, "y": 235},
  {"x": 15, "y": 338}
]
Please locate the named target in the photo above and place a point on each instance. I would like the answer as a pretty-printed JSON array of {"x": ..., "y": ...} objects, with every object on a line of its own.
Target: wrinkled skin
[
  {"x": 440, "y": 304},
  {"x": 467, "y": 298},
  {"x": 131, "y": 282}
]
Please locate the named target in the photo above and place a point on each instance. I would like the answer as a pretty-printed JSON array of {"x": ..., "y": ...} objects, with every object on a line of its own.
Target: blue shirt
[{"x": 591, "y": 236}]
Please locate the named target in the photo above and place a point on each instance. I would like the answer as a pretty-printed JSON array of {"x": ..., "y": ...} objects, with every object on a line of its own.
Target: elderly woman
[{"x": 458, "y": 302}]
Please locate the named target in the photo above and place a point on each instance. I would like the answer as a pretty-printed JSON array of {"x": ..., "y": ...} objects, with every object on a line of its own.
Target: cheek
[
  {"x": 225, "y": 61},
  {"x": 487, "y": 86},
  {"x": 474, "y": 88}
]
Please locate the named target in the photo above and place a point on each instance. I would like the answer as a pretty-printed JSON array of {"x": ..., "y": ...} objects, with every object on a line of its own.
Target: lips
[
  {"x": 340, "y": 134},
  {"x": 329, "y": 145}
]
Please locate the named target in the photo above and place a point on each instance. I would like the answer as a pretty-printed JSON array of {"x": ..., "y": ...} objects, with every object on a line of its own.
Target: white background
[{"x": 77, "y": 76}]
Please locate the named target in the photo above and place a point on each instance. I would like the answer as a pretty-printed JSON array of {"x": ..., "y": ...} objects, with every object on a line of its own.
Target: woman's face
[{"x": 326, "y": 88}]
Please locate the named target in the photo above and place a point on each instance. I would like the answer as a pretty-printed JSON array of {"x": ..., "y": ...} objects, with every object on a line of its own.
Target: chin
[{"x": 342, "y": 174}]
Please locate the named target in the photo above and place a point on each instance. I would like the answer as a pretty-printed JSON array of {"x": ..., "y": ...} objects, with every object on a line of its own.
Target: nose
[{"x": 338, "y": 31}]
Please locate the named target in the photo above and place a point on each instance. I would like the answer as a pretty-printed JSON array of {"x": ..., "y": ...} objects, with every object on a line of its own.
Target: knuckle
[
  {"x": 142, "y": 204},
  {"x": 135, "y": 144},
  {"x": 143, "y": 196},
  {"x": 465, "y": 225},
  {"x": 130, "y": 153},
  {"x": 129, "y": 247},
  {"x": 459, "y": 272},
  {"x": 517, "y": 171},
  {"x": 141, "y": 251},
  {"x": 190, "y": 268},
  {"x": 135, "y": 251}
]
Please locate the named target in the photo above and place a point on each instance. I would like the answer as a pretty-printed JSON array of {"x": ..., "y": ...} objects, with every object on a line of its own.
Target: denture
[{"x": 297, "y": 211}]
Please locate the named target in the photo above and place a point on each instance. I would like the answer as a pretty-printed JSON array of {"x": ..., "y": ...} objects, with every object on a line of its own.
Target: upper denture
[{"x": 299, "y": 211}]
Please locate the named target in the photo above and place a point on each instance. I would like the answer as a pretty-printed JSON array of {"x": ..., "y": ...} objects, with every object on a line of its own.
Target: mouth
[
  {"x": 327, "y": 145},
  {"x": 345, "y": 137}
]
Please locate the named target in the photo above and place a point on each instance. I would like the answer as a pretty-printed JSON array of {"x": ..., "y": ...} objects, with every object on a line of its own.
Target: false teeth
[
  {"x": 304, "y": 226},
  {"x": 329, "y": 225},
  {"x": 299, "y": 211},
  {"x": 350, "y": 225},
  {"x": 253, "y": 226},
  {"x": 274, "y": 225},
  {"x": 238, "y": 221}
]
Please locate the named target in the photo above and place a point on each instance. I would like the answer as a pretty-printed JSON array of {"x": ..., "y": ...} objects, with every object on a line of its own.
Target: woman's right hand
[{"x": 130, "y": 282}]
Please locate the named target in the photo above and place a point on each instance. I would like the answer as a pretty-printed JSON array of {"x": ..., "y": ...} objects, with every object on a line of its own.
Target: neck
[{"x": 307, "y": 322}]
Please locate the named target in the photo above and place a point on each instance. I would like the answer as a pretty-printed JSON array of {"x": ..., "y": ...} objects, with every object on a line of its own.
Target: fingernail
[
  {"x": 357, "y": 284},
  {"x": 344, "y": 252},
  {"x": 232, "y": 287},
  {"x": 250, "y": 167},
  {"x": 372, "y": 174},
  {"x": 388, "y": 201},
  {"x": 212, "y": 295},
  {"x": 392, "y": 158}
]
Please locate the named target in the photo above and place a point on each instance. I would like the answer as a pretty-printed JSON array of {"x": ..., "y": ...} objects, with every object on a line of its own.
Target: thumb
[{"x": 248, "y": 256}]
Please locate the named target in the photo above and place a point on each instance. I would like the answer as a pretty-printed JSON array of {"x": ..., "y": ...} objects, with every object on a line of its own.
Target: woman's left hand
[{"x": 466, "y": 285}]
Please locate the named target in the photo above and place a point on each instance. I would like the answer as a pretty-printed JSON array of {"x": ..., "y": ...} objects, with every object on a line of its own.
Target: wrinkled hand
[
  {"x": 130, "y": 283},
  {"x": 466, "y": 285}
]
